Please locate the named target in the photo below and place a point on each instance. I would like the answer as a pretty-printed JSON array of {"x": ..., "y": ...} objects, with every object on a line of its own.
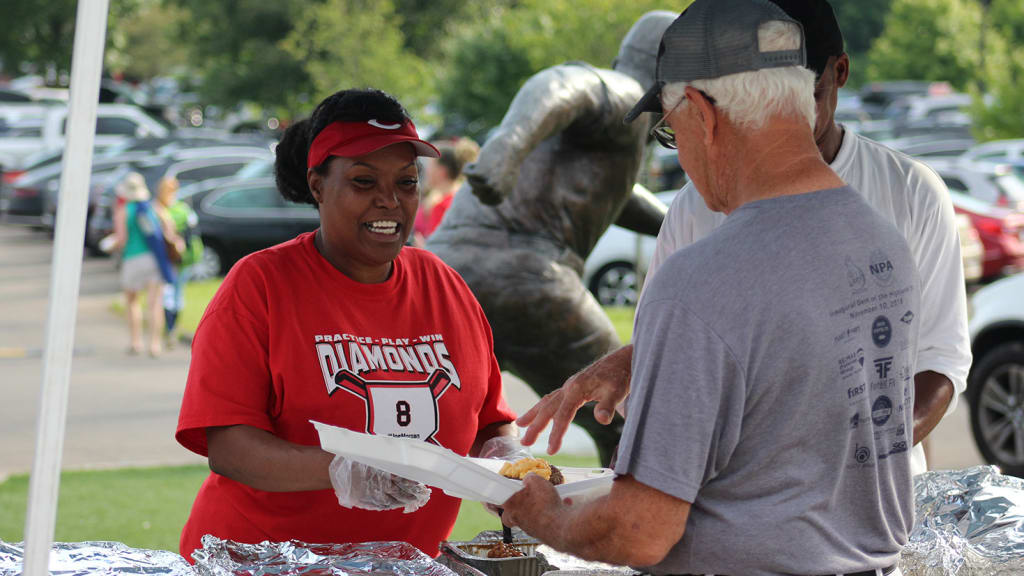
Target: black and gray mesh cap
[{"x": 715, "y": 38}]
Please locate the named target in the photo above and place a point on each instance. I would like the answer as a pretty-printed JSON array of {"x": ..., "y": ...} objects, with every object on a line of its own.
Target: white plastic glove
[
  {"x": 360, "y": 486},
  {"x": 504, "y": 448}
]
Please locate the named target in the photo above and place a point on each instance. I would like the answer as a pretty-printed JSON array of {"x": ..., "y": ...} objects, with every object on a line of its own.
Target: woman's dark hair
[{"x": 344, "y": 106}]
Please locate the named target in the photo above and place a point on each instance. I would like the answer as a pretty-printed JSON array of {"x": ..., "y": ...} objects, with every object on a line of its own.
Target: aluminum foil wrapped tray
[
  {"x": 967, "y": 523},
  {"x": 227, "y": 558},
  {"x": 102, "y": 558}
]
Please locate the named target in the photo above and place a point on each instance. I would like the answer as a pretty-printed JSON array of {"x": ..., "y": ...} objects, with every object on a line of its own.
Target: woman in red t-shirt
[{"x": 344, "y": 326}]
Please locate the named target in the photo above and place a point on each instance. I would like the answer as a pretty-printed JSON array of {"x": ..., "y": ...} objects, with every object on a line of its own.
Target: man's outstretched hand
[{"x": 606, "y": 381}]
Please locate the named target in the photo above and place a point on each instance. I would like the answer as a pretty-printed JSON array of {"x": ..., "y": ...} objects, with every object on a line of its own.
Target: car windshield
[{"x": 255, "y": 169}]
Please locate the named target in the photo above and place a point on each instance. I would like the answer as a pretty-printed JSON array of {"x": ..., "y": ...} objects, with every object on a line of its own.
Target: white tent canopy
[{"x": 65, "y": 275}]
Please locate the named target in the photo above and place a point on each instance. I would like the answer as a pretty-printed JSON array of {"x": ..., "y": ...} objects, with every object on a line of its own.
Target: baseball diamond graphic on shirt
[{"x": 398, "y": 409}]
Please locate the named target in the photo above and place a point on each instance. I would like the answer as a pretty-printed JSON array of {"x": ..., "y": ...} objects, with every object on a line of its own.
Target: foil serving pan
[{"x": 474, "y": 553}]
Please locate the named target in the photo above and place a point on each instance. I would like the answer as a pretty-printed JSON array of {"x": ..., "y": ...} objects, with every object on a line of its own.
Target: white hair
[{"x": 749, "y": 99}]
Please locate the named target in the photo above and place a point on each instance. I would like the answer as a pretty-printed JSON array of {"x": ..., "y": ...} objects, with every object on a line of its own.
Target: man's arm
[
  {"x": 549, "y": 102},
  {"x": 634, "y": 525},
  {"x": 932, "y": 395},
  {"x": 643, "y": 212}
]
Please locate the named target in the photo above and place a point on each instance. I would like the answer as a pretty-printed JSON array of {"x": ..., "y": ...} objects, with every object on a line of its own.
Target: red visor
[{"x": 351, "y": 139}]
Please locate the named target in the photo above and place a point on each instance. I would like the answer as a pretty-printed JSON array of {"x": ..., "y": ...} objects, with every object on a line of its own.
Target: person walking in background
[
  {"x": 186, "y": 226},
  {"x": 444, "y": 178},
  {"x": 141, "y": 228}
]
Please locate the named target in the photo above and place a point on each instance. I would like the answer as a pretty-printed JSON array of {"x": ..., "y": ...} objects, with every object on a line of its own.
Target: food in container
[{"x": 520, "y": 468}]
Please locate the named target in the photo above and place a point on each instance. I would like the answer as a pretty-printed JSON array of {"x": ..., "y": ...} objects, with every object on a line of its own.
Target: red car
[{"x": 1001, "y": 231}]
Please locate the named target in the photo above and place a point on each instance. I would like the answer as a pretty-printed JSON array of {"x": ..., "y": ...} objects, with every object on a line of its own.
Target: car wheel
[
  {"x": 615, "y": 284},
  {"x": 996, "y": 394},
  {"x": 210, "y": 265}
]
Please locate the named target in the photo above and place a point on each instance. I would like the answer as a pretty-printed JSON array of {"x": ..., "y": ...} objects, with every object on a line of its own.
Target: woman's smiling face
[{"x": 367, "y": 208}]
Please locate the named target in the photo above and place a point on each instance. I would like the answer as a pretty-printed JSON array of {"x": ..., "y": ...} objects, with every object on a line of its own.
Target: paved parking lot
[{"x": 122, "y": 409}]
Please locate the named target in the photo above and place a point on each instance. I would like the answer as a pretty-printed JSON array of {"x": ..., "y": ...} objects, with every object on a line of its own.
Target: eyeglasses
[{"x": 664, "y": 133}]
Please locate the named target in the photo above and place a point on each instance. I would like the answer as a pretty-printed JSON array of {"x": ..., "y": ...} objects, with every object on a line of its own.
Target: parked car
[
  {"x": 243, "y": 216},
  {"x": 999, "y": 185},
  {"x": 930, "y": 149},
  {"x": 994, "y": 152},
  {"x": 995, "y": 386},
  {"x": 114, "y": 123},
  {"x": 9, "y": 95},
  {"x": 611, "y": 272},
  {"x": 933, "y": 116},
  {"x": 1001, "y": 232},
  {"x": 972, "y": 250},
  {"x": 25, "y": 198},
  {"x": 189, "y": 166},
  {"x": 876, "y": 96}
]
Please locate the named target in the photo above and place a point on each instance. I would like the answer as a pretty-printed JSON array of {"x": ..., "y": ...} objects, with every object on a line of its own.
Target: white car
[
  {"x": 996, "y": 152},
  {"x": 32, "y": 128},
  {"x": 995, "y": 386}
]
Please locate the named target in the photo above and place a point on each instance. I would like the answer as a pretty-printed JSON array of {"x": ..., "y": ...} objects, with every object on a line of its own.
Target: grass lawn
[
  {"x": 198, "y": 295},
  {"x": 147, "y": 507}
]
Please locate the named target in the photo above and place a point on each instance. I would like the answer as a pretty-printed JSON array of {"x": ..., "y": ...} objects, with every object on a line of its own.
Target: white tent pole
[{"x": 65, "y": 272}]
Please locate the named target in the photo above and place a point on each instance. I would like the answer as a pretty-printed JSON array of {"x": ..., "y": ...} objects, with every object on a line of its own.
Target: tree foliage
[
  {"x": 236, "y": 44},
  {"x": 861, "y": 21},
  {"x": 1000, "y": 113},
  {"x": 38, "y": 36},
  {"x": 929, "y": 40},
  {"x": 355, "y": 44},
  {"x": 144, "y": 44},
  {"x": 490, "y": 58}
]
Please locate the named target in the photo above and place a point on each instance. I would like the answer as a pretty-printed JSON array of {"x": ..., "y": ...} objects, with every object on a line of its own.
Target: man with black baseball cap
[
  {"x": 903, "y": 191},
  {"x": 766, "y": 431}
]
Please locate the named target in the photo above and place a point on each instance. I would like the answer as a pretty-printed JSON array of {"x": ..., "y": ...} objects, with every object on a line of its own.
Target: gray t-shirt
[{"x": 773, "y": 389}]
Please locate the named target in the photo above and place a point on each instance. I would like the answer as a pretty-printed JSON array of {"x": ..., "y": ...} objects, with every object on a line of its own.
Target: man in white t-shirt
[{"x": 904, "y": 191}]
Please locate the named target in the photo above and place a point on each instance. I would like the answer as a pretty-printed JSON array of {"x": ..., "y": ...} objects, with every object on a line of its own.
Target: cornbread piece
[{"x": 520, "y": 468}]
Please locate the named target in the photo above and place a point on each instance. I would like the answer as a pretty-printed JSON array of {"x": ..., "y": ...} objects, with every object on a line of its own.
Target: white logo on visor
[{"x": 384, "y": 126}]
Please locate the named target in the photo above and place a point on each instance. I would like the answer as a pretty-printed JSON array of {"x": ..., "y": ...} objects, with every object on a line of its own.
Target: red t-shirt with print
[{"x": 288, "y": 338}]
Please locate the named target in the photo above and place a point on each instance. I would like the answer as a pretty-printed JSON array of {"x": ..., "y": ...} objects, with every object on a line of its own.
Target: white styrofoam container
[{"x": 459, "y": 476}]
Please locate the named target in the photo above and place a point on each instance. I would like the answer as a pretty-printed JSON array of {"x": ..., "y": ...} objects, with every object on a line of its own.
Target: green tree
[
  {"x": 485, "y": 67},
  {"x": 490, "y": 58},
  {"x": 358, "y": 43},
  {"x": 425, "y": 23},
  {"x": 144, "y": 43},
  {"x": 861, "y": 21},
  {"x": 929, "y": 40},
  {"x": 1000, "y": 112},
  {"x": 38, "y": 36},
  {"x": 1007, "y": 16},
  {"x": 236, "y": 48}
]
